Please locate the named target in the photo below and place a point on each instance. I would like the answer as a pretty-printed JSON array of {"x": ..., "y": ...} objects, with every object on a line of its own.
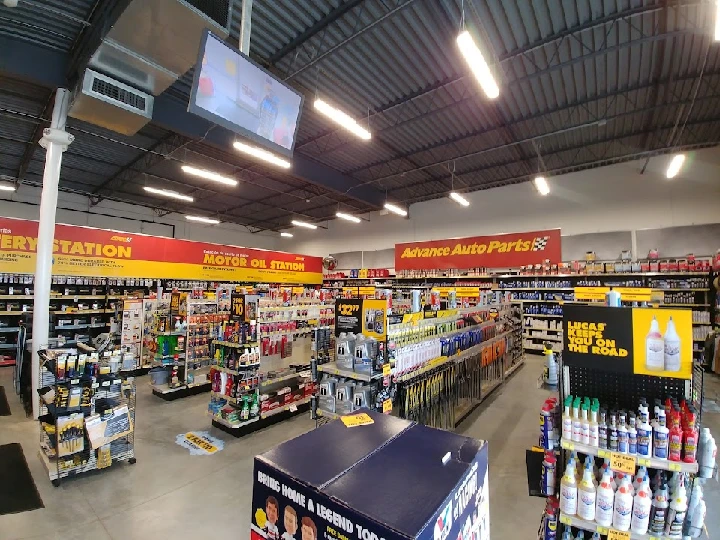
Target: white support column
[
  {"x": 55, "y": 140},
  {"x": 246, "y": 26}
]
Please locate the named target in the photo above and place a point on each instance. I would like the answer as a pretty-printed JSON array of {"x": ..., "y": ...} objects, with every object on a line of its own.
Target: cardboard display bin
[{"x": 392, "y": 479}]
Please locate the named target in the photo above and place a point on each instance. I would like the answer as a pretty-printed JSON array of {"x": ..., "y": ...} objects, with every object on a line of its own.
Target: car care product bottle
[
  {"x": 660, "y": 437},
  {"x": 676, "y": 513},
  {"x": 585, "y": 425},
  {"x": 567, "y": 420},
  {"x": 602, "y": 430},
  {"x": 577, "y": 421},
  {"x": 552, "y": 370},
  {"x": 622, "y": 515},
  {"x": 569, "y": 491},
  {"x": 613, "y": 432},
  {"x": 697, "y": 523},
  {"x": 550, "y": 519},
  {"x": 580, "y": 535},
  {"x": 632, "y": 440},
  {"x": 640, "y": 478},
  {"x": 675, "y": 438},
  {"x": 587, "y": 494},
  {"x": 695, "y": 498},
  {"x": 549, "y": 466},
  {"x": 690, "y": 438},
  {"x": 644, "y": 438},
  {"x": 594, "y": 429},
  {"x": 622, "y": 434},
  {"x": 671, "y": 347},
  {"x": 658, "y": 512},
  {"x": 642, "y": 505},
  {"x": 654, "y": 348},
  {"x": 605, "y": 500},
  {"x": 706, "y": 454}
]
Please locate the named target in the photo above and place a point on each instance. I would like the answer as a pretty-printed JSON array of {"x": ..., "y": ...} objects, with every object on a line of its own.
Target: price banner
[
  {"x": 412, "y": 318},
  {"x": 387, "y": 370},
  {"x": 387, "y": 406},
  {"x": 362, "y": 419},
  {"x": 366, "y": 291},
  {"x": 467, "y": 292},
  {"x": 623, "y": 463},
  {"x": 634, "y": 294},
  {"x": 443, "y": 291},
  {"x": 298, "y": 290},
  {"x": 237, "y": 306}
]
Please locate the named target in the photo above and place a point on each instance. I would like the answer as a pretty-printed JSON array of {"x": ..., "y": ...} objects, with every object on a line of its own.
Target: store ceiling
[{"x": 583, "y": 84}]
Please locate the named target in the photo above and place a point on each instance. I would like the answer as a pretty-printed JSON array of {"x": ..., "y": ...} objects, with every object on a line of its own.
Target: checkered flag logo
[{"x": 540, "y": 243}]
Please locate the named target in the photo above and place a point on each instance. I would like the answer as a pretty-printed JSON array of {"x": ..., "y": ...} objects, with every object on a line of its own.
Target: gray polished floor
[{"x": 169, "y": 493}]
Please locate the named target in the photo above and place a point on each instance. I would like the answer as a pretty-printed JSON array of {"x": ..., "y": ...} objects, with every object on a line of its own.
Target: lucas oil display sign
[
  {"x": 368, "y": 317},
  {"x": 641, "y": 341},
  {"x": 498, "y": 251}
]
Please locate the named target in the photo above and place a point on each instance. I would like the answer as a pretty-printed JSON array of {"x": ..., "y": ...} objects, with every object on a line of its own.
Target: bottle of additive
[
  {"x": 675, "y": 438},
  {"x": 569, "y": 491},
  {"x": 690, "y": 439},
  {"x": 641, "y": 509},
  {"x": 587, "y": 495},
  {"x": 660, "y": 437},
  {"x": 671, "y": 347},
  {"x": 654, "y": 348},
  {"x": 605, "y": 501},
  {"x": 622, "y": 515},
  {"x": 658, "y": 513}
]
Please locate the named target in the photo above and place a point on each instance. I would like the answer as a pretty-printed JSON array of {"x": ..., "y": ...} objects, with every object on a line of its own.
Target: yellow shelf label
[
  {"x": 644, "y": 461},
  {"x": 386, "y": 370},
  {"x": 387, "y": 406},
  {"x": 565, "y": 520},
  {"x": 362, "y": 419},
  {"x": 604, "y": 453},
  {"x": 366, "y": 291},
  {"x": 567, "y": 445},
  {"x": 623, "y": 463},
  {"x": 602, "y": 530},
  {"x": 618, "y": 535},
  {"x": 674, "y": 467}
]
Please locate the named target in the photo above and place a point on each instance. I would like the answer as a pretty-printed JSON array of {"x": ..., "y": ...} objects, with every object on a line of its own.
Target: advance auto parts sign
[
  {"x": 499, "y": 251},
  {"x": 84, "y": 251},
  {"x": 639, "y": 341}
]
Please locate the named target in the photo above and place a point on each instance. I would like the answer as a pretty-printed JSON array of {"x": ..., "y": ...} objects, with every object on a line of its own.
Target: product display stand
[
  {"x": 88, "y": 412},
  {"x": 307, "y": 488}
]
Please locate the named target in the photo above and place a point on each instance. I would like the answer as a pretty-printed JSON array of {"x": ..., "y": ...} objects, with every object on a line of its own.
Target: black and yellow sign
[
  {"x": 348, "y": 316},
  {"x": 237, "y": 307},
  {"x": 467, "y": 292},
  {"x": 634, "y": 294},
  {"x": 443, "y": 291},
  {"x": 590, "y": 293},
  {"x": 375, "y": 318},
  {"x": 643, "y": 341},
  {"x": 355, "y": 420},
  {"x": 366, "y": 291},
  {"x": 175, "y": 304}
]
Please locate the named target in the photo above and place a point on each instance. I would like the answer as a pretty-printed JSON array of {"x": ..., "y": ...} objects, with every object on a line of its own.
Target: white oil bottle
[
  {"x": 587, "y": 494},
  {"x": 654, "y": 348},
  {"x": 622, "y": 516},
  {"x": 569, "y": 491},
  {"x": 641, "y": 509},
  {"x": 672, "y": 347},
  {"x": 605, "y": 501}
]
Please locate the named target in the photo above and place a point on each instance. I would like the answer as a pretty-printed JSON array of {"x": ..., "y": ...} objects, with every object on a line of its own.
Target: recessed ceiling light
[
  {"x": 169, "y": 193},
  {"x": 675, "y": 165},
  {"x": 542, "y": 185},
  {"x": 286, "y": 234},
  {"x": 209, "y": 175}
]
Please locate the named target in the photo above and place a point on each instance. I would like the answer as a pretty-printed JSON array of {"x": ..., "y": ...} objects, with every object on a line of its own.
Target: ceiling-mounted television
[{"x": 231, "y": 90}]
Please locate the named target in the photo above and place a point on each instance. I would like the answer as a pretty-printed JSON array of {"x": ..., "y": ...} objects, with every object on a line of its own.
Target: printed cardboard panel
[{"x": 465, "y": 514}]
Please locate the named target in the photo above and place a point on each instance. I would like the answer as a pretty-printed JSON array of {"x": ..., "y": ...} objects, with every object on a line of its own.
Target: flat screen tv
[{"x": 233, "y": 91}]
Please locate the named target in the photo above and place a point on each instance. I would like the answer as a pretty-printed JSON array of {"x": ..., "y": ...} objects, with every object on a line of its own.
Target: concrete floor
[{"x": 170, "y": 494}]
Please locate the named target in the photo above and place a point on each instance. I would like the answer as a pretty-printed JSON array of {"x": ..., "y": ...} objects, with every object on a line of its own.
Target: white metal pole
[
  {"x": 55, "y": 140},
  {"x": 246, "y": 26}
]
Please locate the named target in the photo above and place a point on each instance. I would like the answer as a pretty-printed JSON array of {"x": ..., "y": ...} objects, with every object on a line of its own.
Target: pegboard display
[{"x": 623, "y": 390}]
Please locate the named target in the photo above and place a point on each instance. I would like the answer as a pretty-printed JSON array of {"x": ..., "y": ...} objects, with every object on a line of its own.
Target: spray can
[
  {"x": 549, "y": 470},
  {"x": 551, "y": 519}
]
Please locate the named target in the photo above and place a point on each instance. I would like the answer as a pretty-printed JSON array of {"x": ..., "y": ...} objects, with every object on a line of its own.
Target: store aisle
[{"x": 171, "y": 494}]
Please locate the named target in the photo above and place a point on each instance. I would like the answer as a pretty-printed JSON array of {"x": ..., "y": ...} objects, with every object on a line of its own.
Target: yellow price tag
[
  {"x": 674, "y": 467},
  {"x": 565, "y": 520},
  {"x": 618, "y": 535},
  {"x": 604, "y": 453},
  {"x": 387, "y": 369},
  {"x": 362, "y": 419},
  {"x": 387, "y": 406},
  {"x": 590, "y": 293},
  {"x": 623, "y": 463},
  {"x": 298, "y": 290},
  {"x": 634, "y": 294},
  {"x": 602, "y": 530},
  {"x": 644, "y": 461},
  {"x": 567, "y": 445},
  {"x": 366, "y": 291}
]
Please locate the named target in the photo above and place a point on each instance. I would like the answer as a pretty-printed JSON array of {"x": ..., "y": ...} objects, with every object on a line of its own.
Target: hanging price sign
[
  {"x": 467, "y": 292},
  {"x": 634, "y": 294},
  {"x": 623, "y": 463},
  {"x": 362, "y": 419},
  {"x": 618, "y": 535},
  {"x": 590, "y": 293}
]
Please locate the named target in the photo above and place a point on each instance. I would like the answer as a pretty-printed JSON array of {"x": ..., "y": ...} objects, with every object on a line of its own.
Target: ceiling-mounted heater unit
[{"x": 105, "y": 102}]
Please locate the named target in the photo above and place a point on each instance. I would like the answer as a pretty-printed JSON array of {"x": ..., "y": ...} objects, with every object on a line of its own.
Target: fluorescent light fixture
[
  {"x": 674, "y": 167},
  {"x": 717, "y": 20},
  {"x": 395, "y": 209},
  {"x": 169, "y": 193},
  {"x": 342, "y": 119},
  {"x": 303, "y": 224},
  {"x": 542, "y": 185},
  {"x": 262, "y": 154},
  {"x": 203, "y": 219},
  {"x": 477, "y": 64},
  {"x": 209, "y": 175},
  {"x": 459, "y": 199},
  {"x": 286, "y": 234},
  {"x": 348, "y": 217},
  {"x": 7, "y": 187}
]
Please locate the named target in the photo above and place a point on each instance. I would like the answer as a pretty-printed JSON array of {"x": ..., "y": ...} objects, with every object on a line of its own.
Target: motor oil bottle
[
  {"x": 642, "y": 505},
  {"x": 676, "y": 513},
  {"x": 587, "y": 494},
  {"x": 605, "y": 499},
  {"x": 622, "y": 514},
  {"x": 658, "y": 512},
  {"x": 569, "y": 491}
]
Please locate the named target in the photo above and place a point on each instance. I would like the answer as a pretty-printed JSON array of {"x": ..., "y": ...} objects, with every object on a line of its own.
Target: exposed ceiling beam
[{"x": 35, "y": 139}]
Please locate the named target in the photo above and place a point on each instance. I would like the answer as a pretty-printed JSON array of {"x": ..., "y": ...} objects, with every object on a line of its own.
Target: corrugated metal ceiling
[{"x": 585, "y": 83}]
